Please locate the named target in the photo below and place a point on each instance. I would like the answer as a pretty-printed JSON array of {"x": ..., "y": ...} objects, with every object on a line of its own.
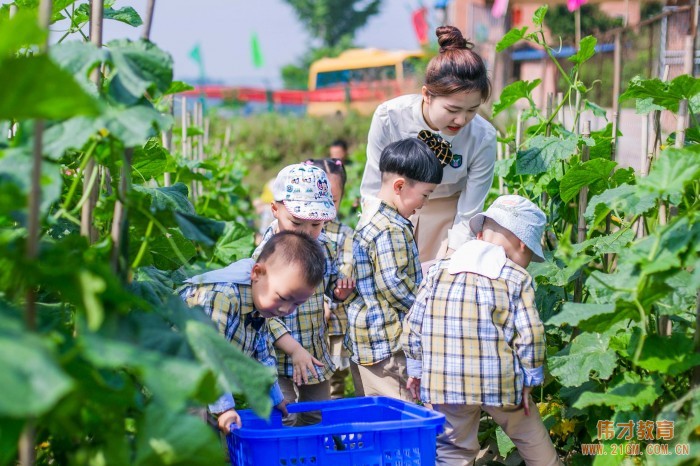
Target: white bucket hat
[
  {"x": 519, "y": 216},
  {"x": 305, "y": 192}
]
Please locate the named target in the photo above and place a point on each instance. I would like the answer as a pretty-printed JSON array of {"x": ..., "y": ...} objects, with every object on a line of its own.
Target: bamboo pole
[
  {"x": 26, "y": 445},
  {"x": 617, "y": 79},
  {"x": 87, "y": 228},
  {"x": 148, "y": 20},
  {"x": 582, "y": 204},
  {"x": 695, "y": 382},
  {"x": 168, "y": 142}
]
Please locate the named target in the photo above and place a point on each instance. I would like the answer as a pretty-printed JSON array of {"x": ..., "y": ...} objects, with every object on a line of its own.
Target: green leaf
[
  {"x": 647, "y": 105},
  {"x": 16, "y": 168},
  {"x": 589, "y": 317},
  {"x": 19, "y": 32},
  {"x": 126, "y": 15},
  {"x": 70, "y": 134},
  {"x": 596, "y": 109},
  {"x": 625, "y": 199},
  {"x": 505, "y": 444},
  {"x": 614, "y": 243},
  {"x": 56, "y": 96},
  {"x": 664, "y": 94},
  {"x": 588, "y": 352},
  {"x": 173, "y": 438},
  {"x": 149, "y": 161},
  {"x": 672, "y": 171},
  {"x": 139, "y": 67},
  {"x": 538, "y": 19},
  {"x": 631, "y": 393},
  {"x": 169, "y": 198},
  {"x": 667, "y": 355},
  {"x": 177, "y": 87},
  {"x": 543, "y": 152},
  {"x": 588, "y": 173},
  {"x": 200, "y": 229},
  {"x": 92, "y": 287},
  {"x": 512, "y": 37},
  {"x": 134, "y": 125},
  {"x": 10, "y": 432},
  {"x": 238, "y": 242},
  {"x": 514, "y": 92},
  {"x": 586, "y": 50},
  {"x": 80, "y": 59},
  {"x": 236, "y": 372},
  {"x": 160, "y": 249},
  {"x": 33, "y": 381}
]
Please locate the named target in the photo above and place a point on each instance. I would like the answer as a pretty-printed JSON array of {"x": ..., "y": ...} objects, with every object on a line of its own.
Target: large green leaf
[
  {"x": 56, "y": 96},
  {"x": 632, "y": 392},
  {"x": 201, "y": 229},
  {"x": 19, "y": 32},
  {"x": 543, "y": 151},
  {"x": 658, "y": 93},
  {"x": 591, "y": 317},
  {"x": 140, "y": 66},
  {"x": 672, "y": 171},
  {"x": 134, "y": 125},
  {"x": 70, "y": 134},
  {"x": 161, "y": 250},
  {"x": 667, "y": 355},
  {"x": 80, "y": 59},
  {"x": 538, "y": 17},
  {"x": 627, "y": 199},
  {"x": 587, "y": 353},
  {"x": 586, "y": 50},
  {"x": 237, "y": 373},
  {"x": 10, "y": 432},
  {"x": 614, "y": 243},
  {"x": 16, "y": 168},
  {"x": 511, "y": 38},
  {"x": 237, "y": 242},
  {"x": 169, "y": 198},
  {"x": 172, "y": 438},
  {"x": 587, "y": 174},
  {"x": 33, "y": 381},
  {"x": 514, "y": 92},
  {"x": 149, "y": 161},
  {"x": 126, "y": 15}
]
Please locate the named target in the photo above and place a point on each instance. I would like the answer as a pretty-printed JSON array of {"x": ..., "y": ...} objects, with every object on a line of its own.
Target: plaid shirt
[
  {"x": 477, "y": 339},
  {"x": 340, "y": 235},
  {"x": 388, "y": 273},
  {"x": 228, "y": 305},
  {"x": 307, "y": 324}
]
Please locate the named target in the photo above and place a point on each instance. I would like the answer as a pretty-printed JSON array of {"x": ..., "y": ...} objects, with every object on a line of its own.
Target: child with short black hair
[
  {"x": 474, "y": 340},
  {"x": 387, "y": 269},
  {"x": 239, "y": 298}
]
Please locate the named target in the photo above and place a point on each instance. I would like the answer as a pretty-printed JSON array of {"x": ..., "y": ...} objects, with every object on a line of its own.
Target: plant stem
[
  {"x": 144, "y": 245},
  {"x": 643, "y": 328}
]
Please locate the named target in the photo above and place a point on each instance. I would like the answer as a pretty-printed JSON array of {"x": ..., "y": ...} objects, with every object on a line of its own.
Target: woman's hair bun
[{"x": 451, "y": 38}]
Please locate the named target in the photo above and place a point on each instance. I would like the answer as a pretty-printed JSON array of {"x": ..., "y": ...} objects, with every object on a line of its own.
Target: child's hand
[
  {"x": 525, "y": 403},
  {"x": 226, "y": 419},
  {"x": 282, "y": 407},
  {"x": 326, "y": 311},
  {"x": 303, "y": 364},
  {"x": 413, "y": 386},
  {"x": 344, "y": 288}
]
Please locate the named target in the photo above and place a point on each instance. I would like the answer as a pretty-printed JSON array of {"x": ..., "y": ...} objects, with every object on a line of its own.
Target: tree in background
[{"x": 333, "y": 23}]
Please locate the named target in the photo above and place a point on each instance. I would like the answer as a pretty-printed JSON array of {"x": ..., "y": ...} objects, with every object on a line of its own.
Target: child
[
  {"x": 474, "y": 340},
  {"x": 239, "y": 297},
  {"x": 387, "y": 269},
  {"x": 303, "y": 202},
  {"x": 340, "y": 236}
]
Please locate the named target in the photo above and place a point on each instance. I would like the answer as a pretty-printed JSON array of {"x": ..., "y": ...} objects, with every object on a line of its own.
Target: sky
[{"x": 223, "y": 29}]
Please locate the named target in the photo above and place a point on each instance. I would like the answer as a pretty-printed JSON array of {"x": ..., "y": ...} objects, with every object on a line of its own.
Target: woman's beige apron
[{"x": 430, "y": 226}]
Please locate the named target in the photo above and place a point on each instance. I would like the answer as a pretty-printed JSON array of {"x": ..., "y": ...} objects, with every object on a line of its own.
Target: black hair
[
  {"x": 300, "y": 249},
  {"x": 340, "y": 143},
  {"x": 412, "y": 159},
  {"x": 331, "y": 167}
]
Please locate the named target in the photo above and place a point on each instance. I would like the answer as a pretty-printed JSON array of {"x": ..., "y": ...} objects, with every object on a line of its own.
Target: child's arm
[
  {"x": 392, "y": 264},
  {"x": 529, "y": 341},
  {"x": 227, "y": 418},
  {"x": 301, "y": 359}
]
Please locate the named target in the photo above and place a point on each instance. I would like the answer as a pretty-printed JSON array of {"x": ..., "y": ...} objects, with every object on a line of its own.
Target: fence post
[{"x": 582, "y": 204}]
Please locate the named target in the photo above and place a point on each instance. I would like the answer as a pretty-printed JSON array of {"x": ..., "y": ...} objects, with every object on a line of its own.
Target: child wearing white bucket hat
[{"x": 474, "y": 340}]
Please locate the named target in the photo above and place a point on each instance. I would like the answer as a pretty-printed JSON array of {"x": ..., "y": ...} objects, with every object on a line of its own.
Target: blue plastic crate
[{"x": 366, "y": 431}]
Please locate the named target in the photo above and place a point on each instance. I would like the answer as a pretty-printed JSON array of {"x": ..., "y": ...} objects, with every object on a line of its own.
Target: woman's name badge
[{"x": 456, "y": 161}]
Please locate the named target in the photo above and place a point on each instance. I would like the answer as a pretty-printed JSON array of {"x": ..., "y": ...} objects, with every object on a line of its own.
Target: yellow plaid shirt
[
  {"x": 340, "y": 235},
  {"x": 307, "y": 324},
  {"x": 475, "y": 340},
  {"x": 388, "y": 273}
]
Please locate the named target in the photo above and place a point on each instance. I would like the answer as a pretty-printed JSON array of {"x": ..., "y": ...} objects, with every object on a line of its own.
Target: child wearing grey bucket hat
[{"x": 474, "y": 340}]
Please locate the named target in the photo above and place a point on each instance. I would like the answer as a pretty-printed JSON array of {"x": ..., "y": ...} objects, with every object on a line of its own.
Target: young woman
[{"x": 445, "y": 116}]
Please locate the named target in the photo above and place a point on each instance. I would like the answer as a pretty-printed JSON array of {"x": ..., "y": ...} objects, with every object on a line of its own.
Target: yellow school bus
[{"x": 361, "y": 79}]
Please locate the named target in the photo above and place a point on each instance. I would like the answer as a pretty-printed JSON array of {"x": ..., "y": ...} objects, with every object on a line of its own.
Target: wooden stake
[
  {"x": 148, "y": 20},
  {"x": 617, "y": 76},
  {"x": 582, "y": 204}
]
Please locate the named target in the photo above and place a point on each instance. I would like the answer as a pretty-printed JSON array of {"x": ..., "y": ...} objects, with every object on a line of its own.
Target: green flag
[
  {"x": 255, "y": 51},
  {"x": 196, "y": 55}
]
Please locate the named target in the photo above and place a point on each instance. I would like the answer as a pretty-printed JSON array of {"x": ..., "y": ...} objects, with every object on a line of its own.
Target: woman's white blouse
[{"x": 401, "y": 118}]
